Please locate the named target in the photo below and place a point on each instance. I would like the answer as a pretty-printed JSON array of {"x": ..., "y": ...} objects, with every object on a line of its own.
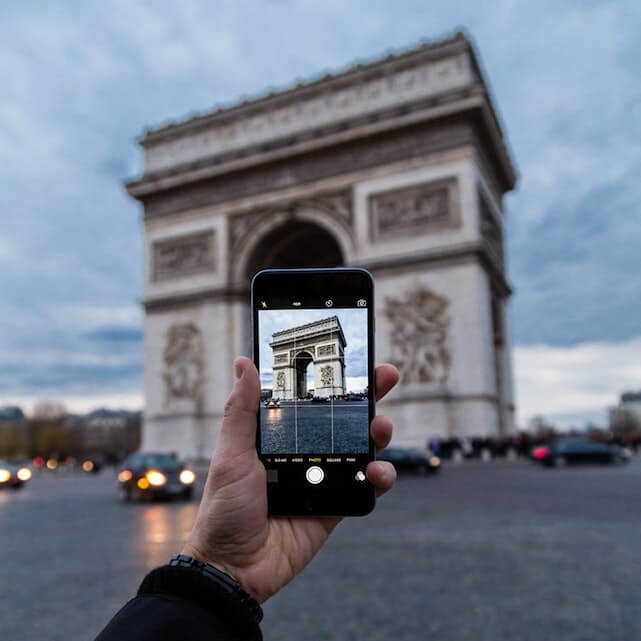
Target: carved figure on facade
[
  {"x": 184, "y": 363},
  {"x": 418, "y": 336},
  {"x": 281, "y": 381},
  {"x": 327, "y": 375}
]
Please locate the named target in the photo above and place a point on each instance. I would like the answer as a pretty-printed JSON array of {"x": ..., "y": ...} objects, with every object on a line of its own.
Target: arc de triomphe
[
  {"x": 321, "y": 344},
  {"x": 399, "y": 166}
]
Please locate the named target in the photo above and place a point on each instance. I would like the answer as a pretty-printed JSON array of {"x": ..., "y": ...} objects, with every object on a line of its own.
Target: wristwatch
[{"x": 223, "y": 582}]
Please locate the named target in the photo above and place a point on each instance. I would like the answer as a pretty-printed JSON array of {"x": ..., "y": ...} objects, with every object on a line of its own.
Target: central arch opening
[
  {"x": 301, "y": 363},
  {"x": 296, "y": 244}
]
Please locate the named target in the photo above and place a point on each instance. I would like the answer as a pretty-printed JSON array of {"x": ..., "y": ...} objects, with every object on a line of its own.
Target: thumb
[{"x": 238, "y": 432}]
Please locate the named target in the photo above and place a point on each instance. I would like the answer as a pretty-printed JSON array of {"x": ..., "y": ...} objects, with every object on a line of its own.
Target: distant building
[
  {"x": 107, "y": 432},
  {"x": 629, "y": 407},
  {"x": 11, "y": 414}
]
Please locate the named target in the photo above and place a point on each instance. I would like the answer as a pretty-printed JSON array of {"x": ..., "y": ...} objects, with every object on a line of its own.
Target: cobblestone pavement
[{"x": 483, "y": 552}]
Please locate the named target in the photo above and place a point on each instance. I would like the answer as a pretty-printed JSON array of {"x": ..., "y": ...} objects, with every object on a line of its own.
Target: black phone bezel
[{"x": 301, "y": 498}]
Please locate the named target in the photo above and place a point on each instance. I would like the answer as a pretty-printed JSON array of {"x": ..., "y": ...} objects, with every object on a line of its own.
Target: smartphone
[{"x": 313, "y": 333}]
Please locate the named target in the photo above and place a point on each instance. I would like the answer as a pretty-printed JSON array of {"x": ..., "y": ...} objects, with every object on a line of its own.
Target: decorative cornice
[
  {"x": 387, "y": 147},
  {"x": 353, "y": 74},
  {"x": 432, "y": 81}
]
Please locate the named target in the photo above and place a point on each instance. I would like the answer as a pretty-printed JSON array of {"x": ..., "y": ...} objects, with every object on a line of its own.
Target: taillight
[{"x": 540, "y": 452}]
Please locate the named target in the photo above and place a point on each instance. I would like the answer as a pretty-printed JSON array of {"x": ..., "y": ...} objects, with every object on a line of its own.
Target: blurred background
[{"x": 480, "y": 159}]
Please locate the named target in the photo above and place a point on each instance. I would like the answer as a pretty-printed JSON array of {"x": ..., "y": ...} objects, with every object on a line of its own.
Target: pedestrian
[{"x": 235, "y": 557}]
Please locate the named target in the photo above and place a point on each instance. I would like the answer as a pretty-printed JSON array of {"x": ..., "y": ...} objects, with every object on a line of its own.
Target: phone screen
[{"x": 313, "y": 352}]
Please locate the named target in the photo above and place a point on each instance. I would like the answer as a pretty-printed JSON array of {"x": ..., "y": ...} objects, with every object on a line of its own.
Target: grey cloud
[{"x": 81, "y": 81}]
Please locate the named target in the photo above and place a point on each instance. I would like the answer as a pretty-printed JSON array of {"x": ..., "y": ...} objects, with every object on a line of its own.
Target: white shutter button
[{"x": 315, "y": 474}]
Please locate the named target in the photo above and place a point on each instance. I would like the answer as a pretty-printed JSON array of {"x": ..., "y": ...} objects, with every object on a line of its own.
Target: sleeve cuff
[{"x": 184, "y": 583}]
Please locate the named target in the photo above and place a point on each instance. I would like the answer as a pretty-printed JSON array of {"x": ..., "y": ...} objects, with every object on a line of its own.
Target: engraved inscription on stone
[
  {"x": 327, "y": 375},
  {"x": 183, "y": 256},
  {"x": 412, "y": 210},
  {"x": 184, "y": 362},
  {"x": 327, "y": 350},
  {"x": 418, "y": 334},
  {"x": 280, "y": 358}
]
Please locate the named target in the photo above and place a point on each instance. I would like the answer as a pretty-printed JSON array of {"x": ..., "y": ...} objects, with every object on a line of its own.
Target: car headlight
[
  {"x": 87, "y": 466},
  {"x": 187, "y": 477},
  {"x": 435, "y": 461},
  {"x": 52, "y": 464},
  {"x": 143, "y": 483},
  {"x": 24, "y": 473},
  {"x": 125, "y": 476},
  {"x": 156, "y": 478},
  {"x": 5, "y": 475}
]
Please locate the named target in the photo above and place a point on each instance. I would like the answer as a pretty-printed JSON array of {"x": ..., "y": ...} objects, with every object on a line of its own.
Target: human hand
[{"x": 233, "y": 531}]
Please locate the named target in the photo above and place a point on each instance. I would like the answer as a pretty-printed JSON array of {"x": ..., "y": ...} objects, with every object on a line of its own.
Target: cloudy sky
[
  {"x": 81, "y": 80},
  {"x": 353, "y": 323}
]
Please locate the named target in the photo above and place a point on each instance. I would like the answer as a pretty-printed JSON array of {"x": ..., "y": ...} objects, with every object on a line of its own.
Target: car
[
  {"x": 13, "y": 476},
  {"x": 573, "y": 451},
  {"x": 155, "y": 475},
  {"x": 272, "y": 403},
  {"x": 411, "y": 460},
  {"x": 320, "y": 399}
]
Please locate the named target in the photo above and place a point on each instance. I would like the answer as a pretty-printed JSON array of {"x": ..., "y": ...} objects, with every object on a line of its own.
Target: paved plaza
[{"x": 480, "y": 552}]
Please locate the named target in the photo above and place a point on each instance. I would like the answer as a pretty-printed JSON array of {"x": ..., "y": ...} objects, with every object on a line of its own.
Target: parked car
[
  {"x": 13, "y": 476},
  {"x": 155, "y": 475},
  {"x": 411, "y": 460},
  {"x": 573, "y": 451},
  {"x": 320, "y": 399}
]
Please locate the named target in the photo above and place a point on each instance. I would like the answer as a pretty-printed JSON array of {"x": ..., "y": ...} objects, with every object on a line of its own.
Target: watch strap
[{"x": 223, "y": 582}]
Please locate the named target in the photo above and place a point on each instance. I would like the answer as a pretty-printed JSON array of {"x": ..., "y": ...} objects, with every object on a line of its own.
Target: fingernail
[{"x": 239, "y": 371}]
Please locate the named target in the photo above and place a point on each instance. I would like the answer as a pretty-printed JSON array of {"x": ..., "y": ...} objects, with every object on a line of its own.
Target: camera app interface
[{"x": 314, "y": 383}]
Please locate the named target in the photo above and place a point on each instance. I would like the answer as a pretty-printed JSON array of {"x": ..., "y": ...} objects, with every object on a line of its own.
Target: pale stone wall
[{"x": 466, "y": 401}]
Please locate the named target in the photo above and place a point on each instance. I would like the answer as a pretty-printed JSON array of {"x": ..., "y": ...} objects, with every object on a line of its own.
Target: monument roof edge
[{"x": 272, "y": 98}]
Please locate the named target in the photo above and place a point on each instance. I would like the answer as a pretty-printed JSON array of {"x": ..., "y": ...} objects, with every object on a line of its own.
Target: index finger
[{"x": 385, "y": 377}]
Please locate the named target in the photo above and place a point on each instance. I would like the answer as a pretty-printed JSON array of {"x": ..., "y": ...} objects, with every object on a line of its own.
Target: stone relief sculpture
[
  {"x": 183, "y": 255},
  {"x": 411, "y": 210},
  {"x": 418, "y": 334},
  {"x": 280, "y": 380},
  {"x": 184, "y": 363},
  {"x": 327, "y": 375}
]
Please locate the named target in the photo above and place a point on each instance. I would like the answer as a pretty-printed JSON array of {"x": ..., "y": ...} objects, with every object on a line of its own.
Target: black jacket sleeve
[{"x": 178, "y": 604}]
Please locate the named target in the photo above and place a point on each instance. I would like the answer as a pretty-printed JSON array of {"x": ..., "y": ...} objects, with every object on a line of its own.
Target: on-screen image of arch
[{"x": 313, "y": 372}]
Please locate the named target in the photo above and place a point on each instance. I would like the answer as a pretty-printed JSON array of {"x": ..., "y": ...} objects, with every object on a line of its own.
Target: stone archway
[
  {"x": 297, "y": 243},
  {"x": 301, "y": 362},
  {"x": 321, "y": 343}
]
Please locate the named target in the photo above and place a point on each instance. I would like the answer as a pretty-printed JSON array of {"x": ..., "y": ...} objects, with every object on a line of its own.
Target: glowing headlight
[
  {"x": 435, "y": 461},
  {"x": 187, "y": 477},
  {"x": 5, "y": 475},
  {"x": 24, "y": 473},
  {"x": 143, "y": 483},
  {"x": 52, "y": 464},
  {"x": 124, "y": 476},
  {"x": 87, "y": 466},
  {"x": 156, "y": 478}
]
